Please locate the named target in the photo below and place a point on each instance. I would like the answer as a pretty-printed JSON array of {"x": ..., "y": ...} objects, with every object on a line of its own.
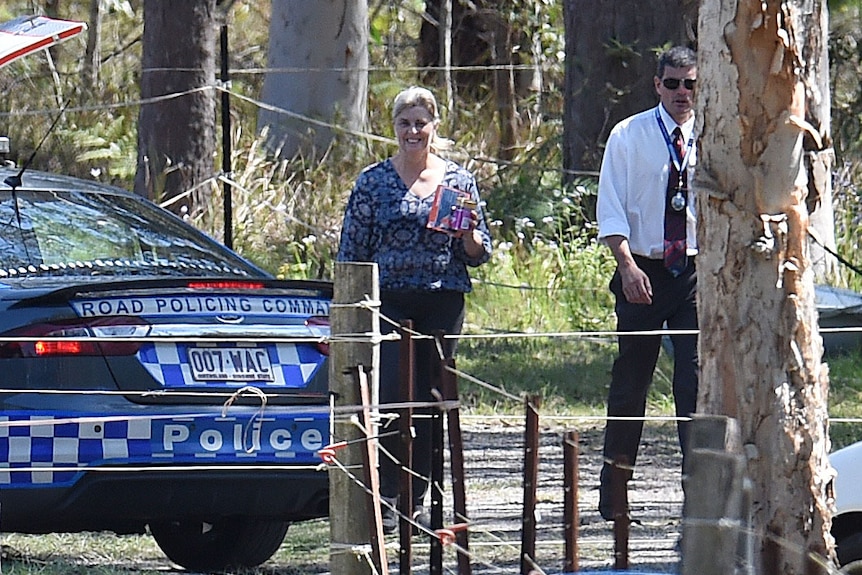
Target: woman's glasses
[{"x": 673, "y": 83}]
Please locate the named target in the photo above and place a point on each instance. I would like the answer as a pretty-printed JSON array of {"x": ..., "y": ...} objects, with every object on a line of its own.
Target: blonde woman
[{"x": 423, "y": 272}]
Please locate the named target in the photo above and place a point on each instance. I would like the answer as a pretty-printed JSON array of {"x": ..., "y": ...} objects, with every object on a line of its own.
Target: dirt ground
[{"x": 494, "y": 457}]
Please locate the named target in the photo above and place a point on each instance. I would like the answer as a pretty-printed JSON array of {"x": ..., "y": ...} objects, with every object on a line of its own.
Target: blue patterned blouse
[{"x": 385, "y": 223}]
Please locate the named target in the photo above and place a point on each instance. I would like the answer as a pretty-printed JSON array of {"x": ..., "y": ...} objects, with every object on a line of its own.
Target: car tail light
[
  {"x": 79, "y": 337},
  {"x": 317, "y": 321},
  {"x": 59, "y": 348}
]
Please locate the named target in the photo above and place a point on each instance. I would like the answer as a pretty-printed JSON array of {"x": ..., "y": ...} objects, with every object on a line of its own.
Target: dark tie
[{"x": 674, "y": 219}]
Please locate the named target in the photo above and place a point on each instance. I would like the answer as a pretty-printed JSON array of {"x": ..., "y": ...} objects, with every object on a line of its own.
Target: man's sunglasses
[{"x": 673, "y": 83}]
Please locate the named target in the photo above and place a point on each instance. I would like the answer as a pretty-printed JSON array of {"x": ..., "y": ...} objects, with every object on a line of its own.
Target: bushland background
[{"x": 544, "y": 294}]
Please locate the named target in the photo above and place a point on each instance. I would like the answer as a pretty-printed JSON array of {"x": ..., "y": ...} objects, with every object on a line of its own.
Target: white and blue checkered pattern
[
  {"x": 67, "y": 445},
  {"x": 293, "y": 365},
  {"x": 39, "y": 441}
]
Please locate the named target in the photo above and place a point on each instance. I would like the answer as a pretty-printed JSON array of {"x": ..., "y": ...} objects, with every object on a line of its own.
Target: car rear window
[{"x": 103, "y": 234}]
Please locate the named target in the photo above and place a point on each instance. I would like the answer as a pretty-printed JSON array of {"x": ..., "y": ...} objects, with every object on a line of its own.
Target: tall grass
[{"x": 286, "y": 215}]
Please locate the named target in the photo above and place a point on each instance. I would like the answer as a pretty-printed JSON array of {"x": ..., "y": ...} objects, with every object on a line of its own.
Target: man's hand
[{"x": 636, "y": 285}]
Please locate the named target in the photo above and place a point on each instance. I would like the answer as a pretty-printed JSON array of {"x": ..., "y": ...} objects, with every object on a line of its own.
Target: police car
[
  {"x": 847, "y": 519},
  {"x": 153, "y": 380}
]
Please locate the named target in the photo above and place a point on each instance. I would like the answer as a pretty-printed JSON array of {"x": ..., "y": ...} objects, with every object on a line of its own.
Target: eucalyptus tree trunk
[
  {"x": 176, "y": 135},
  {"x": 317, "y": 81},
  {"x": 760, "y": 66}
]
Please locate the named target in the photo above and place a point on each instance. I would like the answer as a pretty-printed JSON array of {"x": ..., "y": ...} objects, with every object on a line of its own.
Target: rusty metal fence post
[
  {"x": 620, "y": 473},
  {"x": 456, "y": 462},
  {"x": 437, "y": 462},
  {"x": 571, "y": 517},
  {"x": 531, "y": 476},
  {"x": 406, "y": 363}
]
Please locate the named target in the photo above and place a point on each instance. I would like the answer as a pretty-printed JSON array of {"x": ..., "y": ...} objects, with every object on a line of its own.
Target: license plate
[{"x": 230, "y": 364}]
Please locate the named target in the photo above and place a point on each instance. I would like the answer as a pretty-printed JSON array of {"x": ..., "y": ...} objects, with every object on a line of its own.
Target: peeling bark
[{"x": 759, "y": 346}]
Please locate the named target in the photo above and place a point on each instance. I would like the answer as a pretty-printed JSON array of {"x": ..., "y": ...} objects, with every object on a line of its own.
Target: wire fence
[{"x": 491, "y": 533}]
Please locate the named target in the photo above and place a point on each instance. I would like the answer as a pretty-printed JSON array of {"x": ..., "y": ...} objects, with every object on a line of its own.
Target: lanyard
[{"x": 680, "y": 166}]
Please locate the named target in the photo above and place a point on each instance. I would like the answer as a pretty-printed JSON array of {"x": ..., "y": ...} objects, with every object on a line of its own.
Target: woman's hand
[{"x": 472, "y": 237}]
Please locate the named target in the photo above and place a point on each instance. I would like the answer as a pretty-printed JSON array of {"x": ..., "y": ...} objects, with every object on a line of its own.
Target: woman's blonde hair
[
  {"x": 419, "y": 96},
  {"x": 415, "y": 96}
]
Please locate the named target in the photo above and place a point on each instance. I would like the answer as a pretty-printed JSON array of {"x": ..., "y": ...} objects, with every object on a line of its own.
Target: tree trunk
[
  {"x": 176, "y": 136},
  {"x": 52, "y": 8},
  {"x": 469, "y": 41},
  {"x": 318, "y": 58},
  {"x": 482, "y": 35},
  {"x": 819, "y": 154},
  {"x": 93, "y": 54},
  {"x": 444, "y": 25},
  {"x": 610, "y": 65},
  {"x": 760, "y": 350},
  {"x": 504, "y": 87}
]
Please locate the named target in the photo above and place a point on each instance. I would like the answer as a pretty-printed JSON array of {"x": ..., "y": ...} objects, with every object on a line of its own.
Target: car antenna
[{"x": 15, "y": 181}]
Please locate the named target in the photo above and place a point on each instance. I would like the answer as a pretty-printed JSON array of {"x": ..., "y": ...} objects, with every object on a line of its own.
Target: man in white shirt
[{"x": 646, "y": 215}]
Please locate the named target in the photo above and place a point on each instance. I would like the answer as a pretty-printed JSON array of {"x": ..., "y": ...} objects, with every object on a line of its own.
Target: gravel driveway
[{"x": 494, "y": 457}]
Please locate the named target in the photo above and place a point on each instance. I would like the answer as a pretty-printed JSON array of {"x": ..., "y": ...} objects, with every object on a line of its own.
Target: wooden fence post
[
  {"x": 714, "y": 514},
  {"x": 353, "y": 330}
]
